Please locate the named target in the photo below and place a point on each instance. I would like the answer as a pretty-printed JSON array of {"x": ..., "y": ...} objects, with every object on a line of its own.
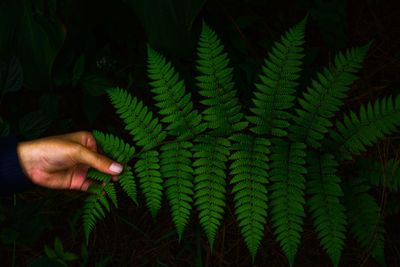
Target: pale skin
[{"x": 61, "y": 162}]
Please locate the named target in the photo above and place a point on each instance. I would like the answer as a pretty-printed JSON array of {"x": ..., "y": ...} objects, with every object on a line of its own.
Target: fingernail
[{"x": 115, "y": 167}]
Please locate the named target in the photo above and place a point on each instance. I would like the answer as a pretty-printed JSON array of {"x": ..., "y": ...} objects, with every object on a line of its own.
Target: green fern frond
[
  {"x": 356, "y": 133},
  {"x": 146, "y": 130},
  {"x": 385, "y": 174},
  {"x": 287, "y": 197},
  {"x": 174, "y": 104},
  {"x": 365, "y": 220},
  {"x": 249, "y": 169},
  {"x": 323, "y": 185},
  {"x": 114, "y": 147},
  {"x": 210, "y": 186},
  {"x": 128, "y": 184},
  {"x": 178, "y": 174},
  {"x": 215, "y": 82},
  {"x": 94, "y": 209},
  {"x": 111, "y": 193},
  {"x": 325, "y": 97},
  {"x": 99, "y": 176},
  {"x": 148, "y": 171},
  {"x": 276, "y": 92}
]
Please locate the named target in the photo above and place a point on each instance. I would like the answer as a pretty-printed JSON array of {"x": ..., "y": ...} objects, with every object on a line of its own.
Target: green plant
[{"x": 281, "y": 159}]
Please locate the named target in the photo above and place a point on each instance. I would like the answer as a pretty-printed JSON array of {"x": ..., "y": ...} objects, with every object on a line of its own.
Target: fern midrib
[
  {"x": 352, "y": 133},
  {"x": 336, "y": 75},
  {"x": 219, "y": 87},
  {"x": 277, "y": 87},
  {"x": 325, "y": 198},
  {"x": 177, "y": 104}
]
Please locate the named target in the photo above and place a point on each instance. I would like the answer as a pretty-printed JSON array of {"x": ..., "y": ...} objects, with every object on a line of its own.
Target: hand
[{"x": 61, "y": 162}]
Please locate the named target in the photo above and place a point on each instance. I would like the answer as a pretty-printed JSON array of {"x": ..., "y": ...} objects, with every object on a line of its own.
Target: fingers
[
  {"x": 97, "y": 161},
  {"x": 84, "y": 138}
]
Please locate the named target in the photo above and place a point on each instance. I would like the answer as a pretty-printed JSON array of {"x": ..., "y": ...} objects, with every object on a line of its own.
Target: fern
[
  {"x": 94, "y": 209},
  {"x": 325, "y": 97},
  {"x": 146, "y": 130},
  {"x": 215, "y": 83},
  {"x": 178, "y": 174},
  {"x": 329, "y": 216},
  {"x": 287, "y": 197},
  {"x": 356, "y": 133},
  {"x": 385, "y": 174},
  {"x": 128, "y": 184},
  {"x": 119, "y": 151},
  {"x": 147, "y": 169},
  {"x": 114, "y": 147},
  {"x": 191, "y": 164},
  {"x": 249, "y": 179},
  {"x": 210, "y": 185},
  {"x": 366, "y": 223},
  {"x": 99, "y": 176},
  {"x": 275, "y": 94},
  {"x": 174, "y": 104}
]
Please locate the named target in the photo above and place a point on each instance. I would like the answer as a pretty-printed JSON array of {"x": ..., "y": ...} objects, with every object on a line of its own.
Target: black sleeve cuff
[{"x": 12, "y": 179}]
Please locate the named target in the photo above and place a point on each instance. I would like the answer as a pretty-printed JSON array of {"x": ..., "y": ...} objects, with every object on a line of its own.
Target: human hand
[{"x": 61, "y": 162}]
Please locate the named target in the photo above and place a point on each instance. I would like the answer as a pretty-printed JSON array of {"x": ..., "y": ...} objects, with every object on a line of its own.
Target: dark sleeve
[{"x": 12, "y": 179}]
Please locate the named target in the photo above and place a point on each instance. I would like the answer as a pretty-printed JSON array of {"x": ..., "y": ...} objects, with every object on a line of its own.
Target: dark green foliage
[
  {"x": 358, "y": 132},
  {"x": 215, "y": 83},
  {"x": 148, "y": 171},
  {"x": 365, "y": 220},
  {"x": 174, "y": 104},
  {"x": 175, "y": 160},
  {"x": 249, "y": 179},
  {"x": 114, "y": 147},
  {"x": 325, "y": 97},
  {"x": 128, "y": 184},
  {"x": 287, "y": 194},
  {"x": 211, "y": 155},
  {"x": 275, "y": 93},
  {"x": 94, "y": 209},
  {"x": 189, "y": 159},
  {"x": 146, "y": 130},
  {"x": 328, "y": 213},
  {"x": 385, "y": 174}
]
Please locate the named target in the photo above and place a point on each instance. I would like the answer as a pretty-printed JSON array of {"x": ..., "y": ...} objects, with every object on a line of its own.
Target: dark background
[{"x": 61, "y": 55}]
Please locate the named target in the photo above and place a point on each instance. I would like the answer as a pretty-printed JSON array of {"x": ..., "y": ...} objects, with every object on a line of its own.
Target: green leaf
[
  {"x": 34, "y": 40},
  {"x": 34, "y": 124},
  {"x": 96, "y": 85},
  {"x": 78, "y": 70},
  {"x": 11, "y": 77}
]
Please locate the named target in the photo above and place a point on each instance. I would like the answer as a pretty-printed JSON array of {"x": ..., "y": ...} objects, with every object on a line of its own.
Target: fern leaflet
[
  {"x": 356, "y": 133},
  {"x": 114, "y": 147},
  {"x": 325, "y": 97},
  {"x": 94, "y": 209},
  {"x": 128, "y": 184},
  {"x": 323, "y": 185},
  {"x": 178, "y": 174},
  {"x": 215, "y": 82},
  {"x": 146, "y": 130},
  {"x": 385, "y": 174},
  {"x": 287, "y": 197},
  {"x": 365, "y": 220},
  {"x": 147, "y": 169},
  {"x": 249, "y": 169},
  {"x": 174, "y": 104},
  {"x": 275, "y": 94},
  {"x": 210, "y": 185}
]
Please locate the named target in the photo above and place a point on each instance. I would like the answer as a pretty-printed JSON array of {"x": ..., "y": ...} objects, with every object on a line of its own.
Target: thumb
[{"x": 97, "y": 161}]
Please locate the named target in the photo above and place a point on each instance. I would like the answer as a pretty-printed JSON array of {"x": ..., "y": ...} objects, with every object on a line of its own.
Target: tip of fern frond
[
  {"x": 204, "y": 26},
  {"x": 306, "y": 18}
]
